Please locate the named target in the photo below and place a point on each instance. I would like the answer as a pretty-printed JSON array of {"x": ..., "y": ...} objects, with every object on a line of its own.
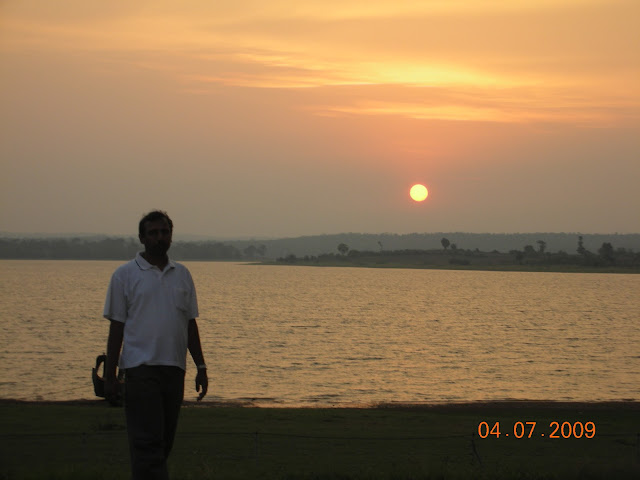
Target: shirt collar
[{"x": 144, "y": 265}]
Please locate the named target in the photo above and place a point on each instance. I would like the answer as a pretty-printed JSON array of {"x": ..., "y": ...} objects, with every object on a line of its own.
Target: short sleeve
[
  {"x": 115, "y": 305},
  {"x": 193, "y": 300}
]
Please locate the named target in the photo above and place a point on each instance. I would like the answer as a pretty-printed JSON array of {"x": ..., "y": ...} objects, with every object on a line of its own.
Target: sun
[{"x": 419, "y": 192}]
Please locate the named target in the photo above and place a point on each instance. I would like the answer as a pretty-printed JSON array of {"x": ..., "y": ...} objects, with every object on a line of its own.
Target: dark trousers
[{"x": 152, "y": 399}]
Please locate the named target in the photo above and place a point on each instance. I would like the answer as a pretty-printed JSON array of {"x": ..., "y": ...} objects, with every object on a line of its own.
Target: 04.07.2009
[{"x": 528, "y": 430}]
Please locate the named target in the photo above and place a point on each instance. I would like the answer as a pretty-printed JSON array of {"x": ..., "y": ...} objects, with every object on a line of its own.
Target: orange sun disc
[{"x": 419, "y": 192}]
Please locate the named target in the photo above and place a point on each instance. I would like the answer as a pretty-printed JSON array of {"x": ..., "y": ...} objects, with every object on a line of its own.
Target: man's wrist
[{"x": 201, "y": 366}]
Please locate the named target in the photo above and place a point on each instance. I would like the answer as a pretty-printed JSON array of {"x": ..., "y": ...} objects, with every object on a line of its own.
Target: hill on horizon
[
  {"x": 322, "y": 244},
  {"x": 502, "y": 242}
]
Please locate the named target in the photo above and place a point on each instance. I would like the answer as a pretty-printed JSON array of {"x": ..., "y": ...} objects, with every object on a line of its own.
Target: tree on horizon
[{"x": 542, "y": 245}]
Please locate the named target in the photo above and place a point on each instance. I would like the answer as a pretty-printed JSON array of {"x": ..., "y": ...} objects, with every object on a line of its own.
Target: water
[{"x": 293, "y": 336}]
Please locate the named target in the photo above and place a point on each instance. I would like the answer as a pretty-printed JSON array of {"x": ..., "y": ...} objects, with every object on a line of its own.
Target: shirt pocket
[{"x": 181, "y": 298}]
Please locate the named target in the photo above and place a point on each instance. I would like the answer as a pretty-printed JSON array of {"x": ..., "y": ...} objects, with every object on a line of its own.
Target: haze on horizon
[{"x": 283, "y": 118}]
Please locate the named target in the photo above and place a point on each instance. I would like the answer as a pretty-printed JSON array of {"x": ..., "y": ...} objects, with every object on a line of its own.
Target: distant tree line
[
  {"x": 118, "y": 248},
  {"x": 606, "y": 256},
  {"x": 486, "y": 242},
  {"x": 542, "y": 247}
]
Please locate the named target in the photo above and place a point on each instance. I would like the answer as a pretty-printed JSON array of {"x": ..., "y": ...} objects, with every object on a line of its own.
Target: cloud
[
  {"x": 211, "y": 95},
  {"x": 518, "y": 61}
]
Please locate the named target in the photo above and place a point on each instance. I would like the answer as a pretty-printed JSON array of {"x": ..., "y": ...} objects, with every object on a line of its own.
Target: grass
[
  {"x": 542, "y": 268},
  {"x": 464, "y": 260},
  {"x": 88, "y": 440}
]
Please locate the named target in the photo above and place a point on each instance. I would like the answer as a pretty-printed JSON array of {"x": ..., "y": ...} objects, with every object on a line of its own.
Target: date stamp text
[{"x": 530, "y": 429}]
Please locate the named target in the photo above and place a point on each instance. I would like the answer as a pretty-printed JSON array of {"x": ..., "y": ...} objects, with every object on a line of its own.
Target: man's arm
[
  {"x": 202, "y": 381},
  {"x": 114, "y": 344}
]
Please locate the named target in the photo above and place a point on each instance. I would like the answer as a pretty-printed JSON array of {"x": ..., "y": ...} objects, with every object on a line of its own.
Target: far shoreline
[
  {"x": 461, "y": 268},
  {"x": 507, "y": 404}
]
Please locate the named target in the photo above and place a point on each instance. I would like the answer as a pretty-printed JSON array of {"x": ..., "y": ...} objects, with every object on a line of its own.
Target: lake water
[{"x": 300, "y": 336}]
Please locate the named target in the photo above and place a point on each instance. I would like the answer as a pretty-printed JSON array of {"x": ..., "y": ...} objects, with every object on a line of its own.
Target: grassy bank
[
  {"x": 471, "y": 260},
  {"x": 474, "y": 267},
  {"x": 88, "y": 440}
]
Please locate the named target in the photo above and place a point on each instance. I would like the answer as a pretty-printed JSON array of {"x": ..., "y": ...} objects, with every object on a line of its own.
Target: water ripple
[{"x": 296, "y": 335}]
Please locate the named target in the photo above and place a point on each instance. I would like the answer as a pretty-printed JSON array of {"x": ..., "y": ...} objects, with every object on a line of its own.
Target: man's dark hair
[{"x": 152, "y": 217}]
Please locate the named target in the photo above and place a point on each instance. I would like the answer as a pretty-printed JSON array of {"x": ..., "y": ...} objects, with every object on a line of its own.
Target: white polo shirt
[{"x": 155, "y": 307}]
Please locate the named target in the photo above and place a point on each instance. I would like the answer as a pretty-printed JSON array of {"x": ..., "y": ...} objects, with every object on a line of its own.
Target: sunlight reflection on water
[{"x": 282, "y": 335}]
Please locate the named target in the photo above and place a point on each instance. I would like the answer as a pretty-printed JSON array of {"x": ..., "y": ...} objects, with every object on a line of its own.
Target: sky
[{"x": 249, "y": 118}]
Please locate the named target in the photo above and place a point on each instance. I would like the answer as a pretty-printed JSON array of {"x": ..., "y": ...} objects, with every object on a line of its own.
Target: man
[{"x": 151, "y": 303}]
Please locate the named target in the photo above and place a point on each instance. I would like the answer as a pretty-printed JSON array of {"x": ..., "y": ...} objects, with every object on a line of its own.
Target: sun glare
[{"x": 419, "y": 192}]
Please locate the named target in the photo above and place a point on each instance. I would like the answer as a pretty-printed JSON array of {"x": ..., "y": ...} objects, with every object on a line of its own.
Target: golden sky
[{"x": 300, "y": 117}]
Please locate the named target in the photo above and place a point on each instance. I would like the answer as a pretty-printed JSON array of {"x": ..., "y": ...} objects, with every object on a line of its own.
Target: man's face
[{"x": 157, "y": 237}]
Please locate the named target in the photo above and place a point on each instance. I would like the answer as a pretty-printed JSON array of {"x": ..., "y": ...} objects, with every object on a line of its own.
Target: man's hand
[
  {"x": 202, "y": 383},
  {"x": 112, "y": 390}
]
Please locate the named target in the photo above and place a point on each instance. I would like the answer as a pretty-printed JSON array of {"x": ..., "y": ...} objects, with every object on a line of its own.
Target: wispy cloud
[{"x": 518, "y": 61}]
